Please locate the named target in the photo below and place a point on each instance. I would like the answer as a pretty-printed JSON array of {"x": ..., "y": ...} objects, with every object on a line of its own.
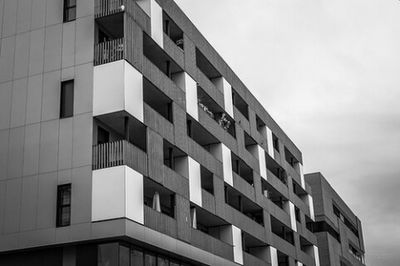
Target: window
[
  {"x": 103, "y": 136},
  {"x": 63, "y": 205},
  {"x": 67, "y": 99},
  {"x": 69, "y": 10}
]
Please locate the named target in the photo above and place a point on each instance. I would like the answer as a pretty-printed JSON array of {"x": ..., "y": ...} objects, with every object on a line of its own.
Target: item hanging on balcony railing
[
  {"x": 156, "y": 202},
  {"x": 205, "y": 109},
  {"x": 179, "y": 43},
  {"x": 224, "y": 122}
]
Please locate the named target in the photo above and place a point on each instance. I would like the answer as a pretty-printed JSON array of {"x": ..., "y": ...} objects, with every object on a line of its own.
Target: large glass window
[
  {"x": 107, "y": 254},
  {"x": 63, "y": 205}
]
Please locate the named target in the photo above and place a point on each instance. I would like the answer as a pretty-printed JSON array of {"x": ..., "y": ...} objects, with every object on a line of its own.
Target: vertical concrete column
[
  {"x": 273, "y": 255},
  {"x": 270, "y": 142},
  {"x": 195, "y": 182},
  {"x": 262, "y": 162}
]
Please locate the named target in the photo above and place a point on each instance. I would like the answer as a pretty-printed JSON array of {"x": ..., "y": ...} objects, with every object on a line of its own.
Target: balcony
[
  {"x": 118, "y": 153},
  {"x": 105, "y": 8},
  {"x": 109, "y": 51}
]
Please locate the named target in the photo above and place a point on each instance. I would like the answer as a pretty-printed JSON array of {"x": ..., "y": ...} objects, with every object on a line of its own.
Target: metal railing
[
  {"x": 116, "y": 153},
  {"x": 109, "y": 51},
  {"x": 109, "y": 7}
]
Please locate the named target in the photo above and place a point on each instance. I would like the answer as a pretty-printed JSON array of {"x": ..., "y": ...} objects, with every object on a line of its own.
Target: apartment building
[
  {"x": 125, "y": 139},
  {"x": 338, "y": 230}
]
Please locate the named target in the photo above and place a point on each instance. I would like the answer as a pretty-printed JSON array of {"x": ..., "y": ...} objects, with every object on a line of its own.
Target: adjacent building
[
  {"x": 125, "y": 139},
  {"x": 338, "y": 230}
]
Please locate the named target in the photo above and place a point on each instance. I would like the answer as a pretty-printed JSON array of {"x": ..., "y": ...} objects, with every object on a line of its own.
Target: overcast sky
[{"x": 329, "y": 73}]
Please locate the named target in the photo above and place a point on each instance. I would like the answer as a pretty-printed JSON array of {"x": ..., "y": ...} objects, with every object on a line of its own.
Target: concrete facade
[
  {"x": 338, "y": 229},
  {"x": 157, "y": 109}
]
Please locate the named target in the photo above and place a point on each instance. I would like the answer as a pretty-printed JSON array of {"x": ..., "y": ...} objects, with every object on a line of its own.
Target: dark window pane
[
  {"x": 137, "y": 258},
  {"x": 162, "y": 261},
  {"x": 67, "y": 99},
  {"x": 150, "y": 260},
  {"x": 123, "y": 256},
  {"x": 108, "y": 254},
  {"x": 63, "y": 205}
]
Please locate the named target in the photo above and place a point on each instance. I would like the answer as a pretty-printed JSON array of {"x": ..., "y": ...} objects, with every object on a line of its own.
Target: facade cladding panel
[
  {"x": 338, "y": 229},
  {"x": 151, "y": 97}
]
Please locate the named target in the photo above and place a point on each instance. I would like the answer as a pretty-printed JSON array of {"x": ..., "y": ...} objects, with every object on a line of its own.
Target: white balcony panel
[
  {"x": 299, "y": 263},
  {"x": 303, "y": 183},
  {"x": 195, "y": 182},
  {"x": 293, "y": 222},
  {"x": 311, "y": 207},
  {"x": 192, "y": 106},
  {"x": 263, "y": 164},
  {"x": 274, "y": 255},
  {"x": 117, "y": 192},
  {"x": 316, "y": 256},
  {"x": 237, "y": 245},
  {"x": 118, "y": 86},
  {"x": 154, "y": 11},
  {"x": 227, "y": 164},
  {"x": 270, "y": 143}
]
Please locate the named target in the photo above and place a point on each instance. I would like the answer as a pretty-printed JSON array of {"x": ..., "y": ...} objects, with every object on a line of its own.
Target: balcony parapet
[
  {"x": 109, "y": 51},
  {"x": 118, "y": 153}
]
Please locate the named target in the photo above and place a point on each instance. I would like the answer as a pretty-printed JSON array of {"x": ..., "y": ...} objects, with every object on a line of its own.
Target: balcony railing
[
  {"x": 109, "y": 7},
  {"x": 117, "y": 153},
  {"x": 109, "y": 51}
]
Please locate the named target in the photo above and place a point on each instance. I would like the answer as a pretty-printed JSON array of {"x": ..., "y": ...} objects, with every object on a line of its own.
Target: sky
[{"x": 329, "y": 73}]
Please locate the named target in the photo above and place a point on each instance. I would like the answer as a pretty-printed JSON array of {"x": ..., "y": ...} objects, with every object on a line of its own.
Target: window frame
[
  {"x": 61, "y": 206},
  {"x": 63, "y": 99},
  {"x": 66, "y": 9}
]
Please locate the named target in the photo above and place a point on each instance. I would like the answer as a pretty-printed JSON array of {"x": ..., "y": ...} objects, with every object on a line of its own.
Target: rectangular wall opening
[
  {"x": 207, "y": 180},
  {"x": 281, "y": 230},
  {"x": 250, "y": 144},
  {"x": 206, "y": 67},
  {"x": 306, "y": 246},
  {"x": 201, "y": 135},
  {"x": 246, "y": 206},
  {"x": 160, "y": 58},
  {"x": 216, "y": 112},
  {"x": 175, "y": 159},
  {"x": 273, "y": 195},
  {"x": 283, "y": 259},
  {"x": 172, "y": 30},
  {"x": 242, "y": 169},
  {"x": 158, "y": 197},
  {"x": 157, "y": 100},
  {"x": 290, "y": 159},
  {"x": 254, "y": 246},
  {"x": 120, "y": 126},
  {"x": 276, "y": 170},
  {"x": 299, "y": 191},
  {"x": 261, "y": 126},
  {"x": 240, "y": 104}
]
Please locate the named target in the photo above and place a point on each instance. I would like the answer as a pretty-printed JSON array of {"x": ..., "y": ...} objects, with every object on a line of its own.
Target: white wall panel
[
  {"x": 270, "y": 143},
  {"x": 117, "y": 192},
  {"x": 191, "y": 97},
  {"x": 303, "y": 183},
  {"x": 311, "y": 206},
  {"x": 195, "y": 182},
  {"x": 118, "y": 86},
  {"x": 292, "y": 216},
  {"x": 227, "y": 164},
  {"x": 263, "y": 164},
  {"x": 316, "y": 256},
  {"x": 274, "y": 256},
  {"x": 157, "y": 32},
  {"x": 237, "y": 245}
]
